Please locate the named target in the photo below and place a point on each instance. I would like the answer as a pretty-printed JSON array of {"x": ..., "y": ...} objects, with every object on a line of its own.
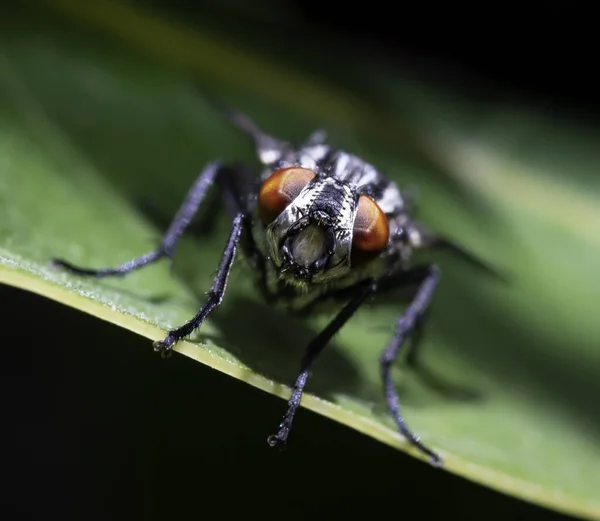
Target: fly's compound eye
[
  {"x": 371, "y": 231},
  {"x": 280, "y": 189}
]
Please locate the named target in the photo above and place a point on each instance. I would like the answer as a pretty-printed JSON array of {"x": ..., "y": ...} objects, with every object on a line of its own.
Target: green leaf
[{"x": 100, "y": 140}]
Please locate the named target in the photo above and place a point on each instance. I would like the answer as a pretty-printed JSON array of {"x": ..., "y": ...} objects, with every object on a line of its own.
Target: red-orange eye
[
  {"x": 280, "y": 189},
  {"x": 371, "y": 231}
]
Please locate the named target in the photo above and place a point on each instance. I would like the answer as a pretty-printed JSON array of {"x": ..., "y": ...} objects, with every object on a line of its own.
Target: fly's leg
[
  {"x": 184, "y": 215},
  {"x": 418, "y": 236},
  {"x": 215, "y": 295},
  {"x": 405, "y": 325},
  {"x": 312, "y": 352}
]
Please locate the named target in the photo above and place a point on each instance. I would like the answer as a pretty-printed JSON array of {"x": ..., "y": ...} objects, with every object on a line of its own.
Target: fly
[{"x": 318, "y": 224}]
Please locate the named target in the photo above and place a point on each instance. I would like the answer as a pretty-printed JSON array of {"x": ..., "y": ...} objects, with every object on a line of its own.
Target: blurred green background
[{"x": 104, "y": 126}]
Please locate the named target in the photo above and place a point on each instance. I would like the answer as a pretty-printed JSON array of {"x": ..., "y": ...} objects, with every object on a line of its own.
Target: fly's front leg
[
  {"x": 185, "y": 214},
  {"x": 312, "y": 352},
  {"x": 406, "y": 323},
  {"x": 215, "y": 295}
]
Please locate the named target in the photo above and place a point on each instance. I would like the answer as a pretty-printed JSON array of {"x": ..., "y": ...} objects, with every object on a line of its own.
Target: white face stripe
[
  {"x": 391, "y": 200},
  {"x": 342, "y": 166},
  {"x": 369, "y": 176}
]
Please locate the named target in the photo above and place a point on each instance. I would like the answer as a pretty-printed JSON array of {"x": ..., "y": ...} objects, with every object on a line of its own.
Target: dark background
[
  {"x": 532, "y": 49},
  {"x": 95, "y": 428}
]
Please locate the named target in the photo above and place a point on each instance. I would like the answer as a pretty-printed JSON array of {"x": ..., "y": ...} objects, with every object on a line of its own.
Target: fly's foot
[
  {"x": 277, "y": 440},
  {"x": 164, "y": 346},
  {"x": 436, "y": 461}
]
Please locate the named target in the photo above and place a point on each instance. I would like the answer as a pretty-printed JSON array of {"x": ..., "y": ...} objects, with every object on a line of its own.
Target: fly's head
[{"x": 318, "y": 228}]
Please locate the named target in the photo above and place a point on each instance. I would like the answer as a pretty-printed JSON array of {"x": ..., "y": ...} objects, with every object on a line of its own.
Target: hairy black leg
[
  {"x": 184, "y": 215},
  {"x": 406, "y": 323},
  {"x": 312, "y": 351},
  {"x": 215, "y": 295}
]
